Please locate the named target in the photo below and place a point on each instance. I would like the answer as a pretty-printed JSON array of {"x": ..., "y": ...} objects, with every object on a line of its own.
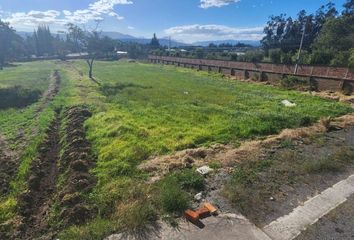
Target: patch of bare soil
[
  {"x": 59, "y": 177},
  {"x": 76, "y": 162},
  {"x": 298, "y": 172},
  {"x": 51, "y": 92},
  {"x": 34, "y": 205}
]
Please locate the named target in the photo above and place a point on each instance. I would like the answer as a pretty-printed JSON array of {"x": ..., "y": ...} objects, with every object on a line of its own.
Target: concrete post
[
  {"x": 246, "y": 75},
  {"x": 219, "y": 70},
  {"x": 232, "y": 72}
]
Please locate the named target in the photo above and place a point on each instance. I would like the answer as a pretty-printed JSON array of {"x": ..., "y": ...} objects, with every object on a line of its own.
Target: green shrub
[
  {"x": 321, "y": 57},
  {"x": 173, "y": 198},
  {"x": 275, "y": 55},
  {"x": 189, "y": 179},
  {"x": 291, "y": 82},
  {"x": 351, "y": 61},
  {"x": 252, "y": 56},
  {"x": 286, "y": 58},
  {"x": 340, "y": 59},
  {"x": 233, "y": 57}
]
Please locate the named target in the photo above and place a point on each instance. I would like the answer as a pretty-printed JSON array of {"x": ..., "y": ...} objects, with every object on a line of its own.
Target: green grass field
[{"x": 143, "y": 110}]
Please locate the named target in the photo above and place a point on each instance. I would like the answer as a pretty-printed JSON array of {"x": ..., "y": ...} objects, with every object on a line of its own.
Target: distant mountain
[
  {"x": 117, "y": 35},
  {"x": 233, "y": 42},
  {"x": 163, "y": 42}
]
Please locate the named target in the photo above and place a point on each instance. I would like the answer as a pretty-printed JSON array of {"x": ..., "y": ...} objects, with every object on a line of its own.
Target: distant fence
[{"x": 328, "y": 78}]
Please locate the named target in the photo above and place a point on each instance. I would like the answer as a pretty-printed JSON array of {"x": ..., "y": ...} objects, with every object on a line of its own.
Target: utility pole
[
  {"x": 169, "y": 43},
  {"x": 300, "y": 49}
]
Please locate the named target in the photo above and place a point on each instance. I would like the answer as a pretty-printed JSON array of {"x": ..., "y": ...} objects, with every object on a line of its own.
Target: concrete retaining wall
[{"x": 327, "y": 78}]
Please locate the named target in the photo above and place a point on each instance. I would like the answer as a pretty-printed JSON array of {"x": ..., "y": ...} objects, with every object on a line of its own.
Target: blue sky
[{"x": 186, "y": 20}]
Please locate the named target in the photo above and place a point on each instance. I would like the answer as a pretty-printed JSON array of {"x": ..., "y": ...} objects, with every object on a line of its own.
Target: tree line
[
  {"x": 43, "y": 43},
  {"x": 327, "y": 37}
]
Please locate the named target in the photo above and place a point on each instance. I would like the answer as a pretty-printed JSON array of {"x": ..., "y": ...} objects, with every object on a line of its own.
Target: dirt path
[
  {"x": 35, "y": 204},
  {"x": 51, "y": 92}
]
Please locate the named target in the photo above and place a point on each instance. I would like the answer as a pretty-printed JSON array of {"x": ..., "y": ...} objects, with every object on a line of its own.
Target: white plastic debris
[
  {"x": 198, "y": 196},
  {"x": 287, "y": 103},
  {"x": 186, "y": 93},
  {"x": 204, "y": 170}
]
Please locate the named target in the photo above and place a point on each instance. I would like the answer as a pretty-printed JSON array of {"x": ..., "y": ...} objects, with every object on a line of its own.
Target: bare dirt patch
[
  {"x": 51, "y": 92},
  {"x": 272, "y": 184},
  {"x": 59, "y": 179}
]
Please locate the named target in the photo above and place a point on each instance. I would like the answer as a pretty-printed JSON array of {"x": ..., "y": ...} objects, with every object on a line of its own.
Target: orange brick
[
  {"x": 191, "y": 215},
  {"x": 203, "y": 212},
  {"x": 210, "y": 207}
]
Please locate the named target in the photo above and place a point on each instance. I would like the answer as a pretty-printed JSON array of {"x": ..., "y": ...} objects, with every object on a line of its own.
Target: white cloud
[
  {"x": 196, "y": 32},
  {"x": 131, "y": 28},
  {"x": 216, "y": 3},
  {"x": 34, "y": 18},
  {"x": 95, "y": 11}
]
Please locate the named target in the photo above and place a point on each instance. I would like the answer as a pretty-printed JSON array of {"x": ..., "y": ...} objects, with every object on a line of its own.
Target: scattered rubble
[{"x": 204, "y": 170}]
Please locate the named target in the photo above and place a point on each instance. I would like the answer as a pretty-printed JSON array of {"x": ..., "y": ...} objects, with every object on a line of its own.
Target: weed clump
[
  {"x": 188, "y": 179},
  {"x": 173, "y": 198},
  {"x": 332, "y": 163},
  {"x": 291, "y": 82}
]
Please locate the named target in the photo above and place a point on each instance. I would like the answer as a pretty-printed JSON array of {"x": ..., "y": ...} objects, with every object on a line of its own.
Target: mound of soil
[
  {"x": 76, "y": 162},
  {"x": 59, "y": 177}
]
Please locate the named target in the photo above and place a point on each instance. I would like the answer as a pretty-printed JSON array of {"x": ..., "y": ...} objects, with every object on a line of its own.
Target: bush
[
  {"x": 321, "y": 57},
  {"x": 291, "y": 82},
  {"x": 275, "y": 55},
  {"x": 286, "y": 58},
  {"x": 252, "y": 56},
  {"x": 173, "y": 198},
  {"x": 233, "y": 57},
  {"x": 340, "y": 59},
  {"x": 189, "y": 179},
  {"x": 351, "y": 60}
]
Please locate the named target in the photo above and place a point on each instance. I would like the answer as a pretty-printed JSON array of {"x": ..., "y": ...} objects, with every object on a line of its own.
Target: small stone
[
  {"x": 204, "y": 170},
  {"x": 198, "y": 196},
  {"x": 272, "y": 199}
]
